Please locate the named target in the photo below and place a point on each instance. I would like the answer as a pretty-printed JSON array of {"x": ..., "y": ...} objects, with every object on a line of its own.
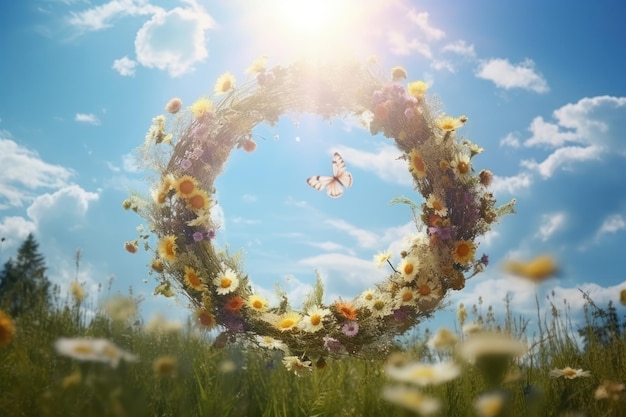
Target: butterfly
[{"x": 334, "y": 185}]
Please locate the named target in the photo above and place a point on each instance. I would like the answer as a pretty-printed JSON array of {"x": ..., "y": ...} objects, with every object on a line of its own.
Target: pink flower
[{"x": 350, "y": 328}]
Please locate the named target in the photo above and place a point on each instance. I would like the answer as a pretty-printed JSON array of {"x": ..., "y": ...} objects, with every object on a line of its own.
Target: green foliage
[
  {"x": 24, "y": 286},
  {"x": 247, "y": 381}
]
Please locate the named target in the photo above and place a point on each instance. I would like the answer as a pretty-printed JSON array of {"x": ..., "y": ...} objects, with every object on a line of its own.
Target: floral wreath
[{"x": 189, "y": 150}]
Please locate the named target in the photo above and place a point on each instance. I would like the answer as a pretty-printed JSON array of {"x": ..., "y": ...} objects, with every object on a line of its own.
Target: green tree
[{"x": 23, "y": 283}]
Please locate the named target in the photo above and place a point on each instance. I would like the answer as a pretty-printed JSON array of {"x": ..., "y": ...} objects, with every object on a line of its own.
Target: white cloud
[
  {"x": 421, "y": 20},
  {"x": 506, "y": 75},
  {"x": 249, "y": 198},
  {"x": 174, "y": 40},
  {"x": 510, "y": 140},
  {"x": 591, "y": 120},
  {"x": 125, "y": 66},
  {"x": 400, "y": 45},
  {"x": 563, "y": 157},
  {"x": 612, "y": 224},
  {"x": 15, "y": 229},
  {"x": 89, "y": 118},
  {"x": 384, "y": 163},
  {"x": 365, "y": 238},
  {"x": 23, "y": 168},
  {"x": 331, "y": 247},
  {"x": 69, "y": 202},
  {"x": 102, "y": 17},
  {"x": 241, "y": 220},
  {"x": 460, "y": 47},
  {"x": 441, "y": 65},
  {"x": 550, "y": 224},
  {"x": 347, "y": 271},
  {"x": 130, "y": 163},
  {"x": 511, "y": 184}
]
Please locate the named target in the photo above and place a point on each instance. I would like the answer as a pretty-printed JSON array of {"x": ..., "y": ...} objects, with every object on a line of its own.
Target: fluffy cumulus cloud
[
  {"x": 125, "y": 66},
  {"x": 550, "y": 224},
  {"x": 421, "y": 20},
  {"x": 15, "y": 229},
  {"x": 384, "y": 163},
  {"x": 612, "y": 224},
  {"x": 102, "y": 16},
  {"x": 460, "y": 47},
  {"x": 23, "y": 172},
  {"x": 506, "y": 75},
  {"x": 69, "y": 202},
  {"x": 174, "y": 40}
]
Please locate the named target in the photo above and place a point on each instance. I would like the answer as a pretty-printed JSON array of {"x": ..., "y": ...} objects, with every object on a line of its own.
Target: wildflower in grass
[
  {"x": 536, "y": 270},
  {"x": 490, "y": 404},
  {"x": 120, "y": 308},
  {"x": 398, "y": 73},
  {"x": 72, "y": 380},
  {"x": 165, "y": 366},
  {"x": 258, "y": 65},
  {"x": 198, "y": 201},
  {"x": 205, "y": 319},
  {"x": 417, "y": 166},
  {"x": 314, "y": 319},
  {"x": 201, "y": 107},
  {"x": 463, "y": 252},
  {"x": 332, "y": 344},
  {"x": 257, "y": 303},
  {"x": 131, "y": 247},
  {"x": 167, "y": 248},
  {"x": 77, "y": 291},
  {"x": 461, "y": 166},
  {"x": 350, "y": 328},
  {"x": 461, "y": 314},
  {"x": 443, "y": 339},
  {"x": 159, "y": 325},
  {"x": 346, "y": 309},
  {"x": 234, "y": 304},
  {"x": 449, "y": 124},
  {"x": 408, "y": 268},
  {"x": 271, "y": 343},
  {"x": 224, "y": 83},
  {"x": 226, "y": 282},
  {"x": 7, "y": 329},
  {"x": 287, "y": 321},
  {"x": 406, "y": 297},
  {"x": 424, "y": 374},
  {"x": 381, "y": 258},
  {"x": 569, "y": 373},
  {"x": 173, "y": 106},
  {"x": 609, "y": 390},
  {"x": 411, "y": 398},
  {"x": 437, "y": 205},
  {"x": 296, "y": 365},
  {"x": 491, "y": 343},
  {"x": 227, "y": 366},
  {"x": 471, "y": 328},
  {"x": 417, "y": 88},
  {"x": 92, "y": 350},
  {"x": 192, "y": 279}
]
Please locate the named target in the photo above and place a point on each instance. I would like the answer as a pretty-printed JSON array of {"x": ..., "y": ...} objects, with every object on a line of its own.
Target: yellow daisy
[
  {"x": 226, "y": 282},
  {"x": 448, "y": 124},
  {"x": 287, "y": 321},
  {"x": 224, "y": 83},
  {"x": 167, "y": 248},
  {"x": 198, "y": 200},
  {"x": 417, "y": 165},
  {"x": 185, "y": 186},
  {"x": 417, "y": 88},
  {"x": 463, "y": 252},
  {"x": 192, "y": 279},
  {"x": 257, "y": 303},
  {"x": 258, "y": 65},
  {"x": 201, "y": 106}
]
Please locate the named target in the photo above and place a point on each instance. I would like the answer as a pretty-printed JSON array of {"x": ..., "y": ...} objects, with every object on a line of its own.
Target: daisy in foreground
[
  {"x": 296, "y": 365},
  {"x": 411, "y": 398},
  {"x": 569, "y": 373},
  {"x": 93, "y": 350}
]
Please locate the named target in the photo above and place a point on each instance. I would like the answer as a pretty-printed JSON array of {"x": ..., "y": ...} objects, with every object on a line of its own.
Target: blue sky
[{"x": 542, "y": 86}]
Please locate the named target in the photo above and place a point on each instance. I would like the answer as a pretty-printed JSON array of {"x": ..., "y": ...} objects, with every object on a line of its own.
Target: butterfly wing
[
  {"x": 319, "y": 181},
  {"x": 339, "y": 171}
]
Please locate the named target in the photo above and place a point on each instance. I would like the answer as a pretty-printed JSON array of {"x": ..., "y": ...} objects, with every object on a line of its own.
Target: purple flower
[
  {"x": 441, "y": 232},
  {"x": 197, "y": 153},
  {"x": 233, "y": 323},
  {"x": 350, "y": 328},
  {"x": 409, "y": 113},
  {"x": 401, "y": 314},
  {"x": 185, "y": 164},
  {"x": 484, "y": 259},
  {"x": 332, "y": 344},
  {"x": 210, "y": 234},
  {"x": 377, "y": 97},
  {"x": 198, "y": 236}
]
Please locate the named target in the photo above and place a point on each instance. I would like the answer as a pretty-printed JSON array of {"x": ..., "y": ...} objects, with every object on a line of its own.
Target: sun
[{"x": 312, "y": 17}]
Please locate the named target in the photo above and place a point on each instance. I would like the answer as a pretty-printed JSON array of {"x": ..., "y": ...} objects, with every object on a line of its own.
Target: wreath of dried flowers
[{"x": 189, "y": 150}]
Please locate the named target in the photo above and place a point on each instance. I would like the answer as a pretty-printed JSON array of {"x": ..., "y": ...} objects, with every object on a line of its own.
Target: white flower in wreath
[
  {"x": 314, "y": 319},
  {"x": 226, "y": 282}
]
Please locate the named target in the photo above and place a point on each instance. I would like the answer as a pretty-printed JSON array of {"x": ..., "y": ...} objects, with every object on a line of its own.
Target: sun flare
[{"x": 312, "y": 17}]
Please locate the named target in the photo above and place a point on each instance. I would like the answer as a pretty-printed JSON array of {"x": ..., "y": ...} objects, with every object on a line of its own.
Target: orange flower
[
  {"x": 192, "y": 279},
  {"x": 198, "y": 201},
  {"x": 185, "y": 186},
  {"x": 167, "y": 248},
  {"x": 7, "y": 330},
  {"x": 463, "y": 252},
  {"x": 234, "y": 304},
  {"x": 206, "y": 319},
  {"x": 131, "y": 247},
  {"x": 346, "y": 309}
]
